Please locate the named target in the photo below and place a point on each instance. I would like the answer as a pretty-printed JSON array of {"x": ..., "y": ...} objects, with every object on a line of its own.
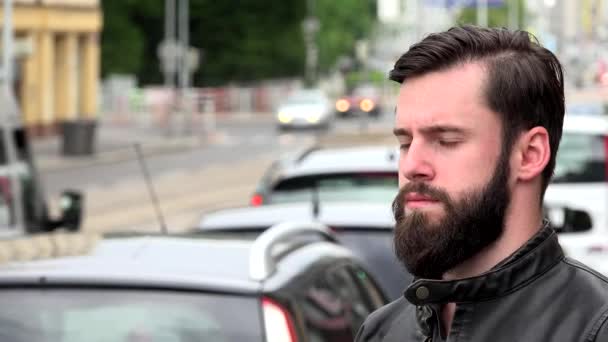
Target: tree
[
  {"x": 240, "y": 40},
  {"x": 497, "y": 16},
  {"x": 342, "y": 24},
  {"x": 122, "y": 42}
]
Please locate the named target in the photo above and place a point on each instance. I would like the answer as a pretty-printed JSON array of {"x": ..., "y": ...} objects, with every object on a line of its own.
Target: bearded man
[{"x": 479, "y": 119}]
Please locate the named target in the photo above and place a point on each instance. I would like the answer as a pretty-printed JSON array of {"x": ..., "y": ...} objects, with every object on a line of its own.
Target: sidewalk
[{"x": 115, "y": 142}]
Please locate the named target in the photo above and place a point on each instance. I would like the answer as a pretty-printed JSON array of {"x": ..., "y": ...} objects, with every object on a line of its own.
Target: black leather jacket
[{"x": 536, "y": 295}]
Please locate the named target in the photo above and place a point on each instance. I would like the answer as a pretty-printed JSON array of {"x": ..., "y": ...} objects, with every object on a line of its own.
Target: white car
[
  {"x": 355, "y": 173},
  {"x": 305, "y": 108},
  {"x": 580, "y": 183}
]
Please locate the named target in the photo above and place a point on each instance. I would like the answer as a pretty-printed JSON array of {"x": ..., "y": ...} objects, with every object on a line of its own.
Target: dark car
[
  {"x": 361, "y": 173},
  {"x": 292, "y": 283},
  {"x": 363, "y": 100},
  {"x": 365, "y": 228}
]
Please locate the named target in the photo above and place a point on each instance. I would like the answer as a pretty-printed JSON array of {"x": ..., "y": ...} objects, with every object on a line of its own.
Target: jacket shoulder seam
[{"x": 586, "y": 269}]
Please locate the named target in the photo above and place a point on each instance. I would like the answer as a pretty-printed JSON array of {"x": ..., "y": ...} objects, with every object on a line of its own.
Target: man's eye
[{"x": 448, "y": 143}]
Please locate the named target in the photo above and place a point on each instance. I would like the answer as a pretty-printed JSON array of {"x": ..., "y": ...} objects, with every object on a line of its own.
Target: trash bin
[{"x": 78, "y": 137}]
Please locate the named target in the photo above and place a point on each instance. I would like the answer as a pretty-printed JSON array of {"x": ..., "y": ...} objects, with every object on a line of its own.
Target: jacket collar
[{"x": 534, "y": 258}]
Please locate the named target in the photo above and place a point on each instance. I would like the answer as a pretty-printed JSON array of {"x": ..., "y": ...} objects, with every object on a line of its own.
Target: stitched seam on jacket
[
  {"x": 593, "y": 272},
  {"x": 518, "y": 287},
  {"x": 597, "y": 326}
]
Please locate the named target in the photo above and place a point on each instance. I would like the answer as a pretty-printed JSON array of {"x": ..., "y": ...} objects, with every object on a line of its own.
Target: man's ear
[{"x": 533, "y": 153}]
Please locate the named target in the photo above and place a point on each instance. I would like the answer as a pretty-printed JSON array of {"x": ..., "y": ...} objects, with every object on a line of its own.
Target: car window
[
  {"x": 581, "y": 158},
  {"x": 370, "y": 187},
  {"x": 332, "y": 307},
  {"x": 371, "y": 246},
  {"x": 70, "y": 315}
]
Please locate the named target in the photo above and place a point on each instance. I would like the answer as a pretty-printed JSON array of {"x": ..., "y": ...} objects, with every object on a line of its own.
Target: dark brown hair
[{"x": 524, "y": 83}]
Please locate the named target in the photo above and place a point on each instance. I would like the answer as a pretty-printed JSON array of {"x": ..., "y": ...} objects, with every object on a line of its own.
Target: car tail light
[
  {"x": 277, "y": 323},
  {"x": 367, "y": 105},
  {"x": 342, "y": 105},
  {"x": 256, "y": 200}
]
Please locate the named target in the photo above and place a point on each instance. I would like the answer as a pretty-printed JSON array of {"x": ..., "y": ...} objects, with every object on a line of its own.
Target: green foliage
[
  {"x": 240, "y": 40},
  {"x": 497, "y": 16},
  {"x": 356, "y": 78},
  {"x": 122, "y": 43},
  {"x": 342, "y": 24}
]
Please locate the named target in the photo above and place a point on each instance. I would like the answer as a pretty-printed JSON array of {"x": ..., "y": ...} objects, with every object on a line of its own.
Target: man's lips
[{"x": 415, "y": 200}]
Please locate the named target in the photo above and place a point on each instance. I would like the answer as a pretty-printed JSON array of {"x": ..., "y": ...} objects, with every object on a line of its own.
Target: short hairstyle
[{"x": 524, "y": 83}]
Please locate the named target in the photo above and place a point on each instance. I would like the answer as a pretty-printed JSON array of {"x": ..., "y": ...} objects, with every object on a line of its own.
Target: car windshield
[
  {"x": 71, "y": 315},
  {"x": 364, "y": 187},
  {"x": 365, "y": 91},
  {"x": 309, "y": 97},
  {"x": 581, "y": 158}
]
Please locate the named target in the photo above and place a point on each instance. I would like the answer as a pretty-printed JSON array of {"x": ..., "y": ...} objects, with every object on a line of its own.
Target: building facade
[{"x": 57, "y": 61}]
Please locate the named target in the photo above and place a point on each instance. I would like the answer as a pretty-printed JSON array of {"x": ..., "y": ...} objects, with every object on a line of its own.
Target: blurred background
[
  {"x": 198, "y": 84},
  {"x": 225, "y": 122}
]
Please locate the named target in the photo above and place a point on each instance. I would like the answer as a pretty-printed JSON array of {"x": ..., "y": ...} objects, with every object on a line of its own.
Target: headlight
[
  {"x": 313, "y": 118},
  {"x": 342, "y": 105},
  {"x": 284, "y": 118},
  {"x": 367, "y": 105}
]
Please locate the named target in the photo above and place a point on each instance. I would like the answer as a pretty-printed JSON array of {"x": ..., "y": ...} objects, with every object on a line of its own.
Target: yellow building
[{"x": 57, "y": 60}]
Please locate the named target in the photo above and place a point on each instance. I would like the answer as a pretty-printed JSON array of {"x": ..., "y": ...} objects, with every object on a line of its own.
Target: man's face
[{"x": 452, "y": 175}]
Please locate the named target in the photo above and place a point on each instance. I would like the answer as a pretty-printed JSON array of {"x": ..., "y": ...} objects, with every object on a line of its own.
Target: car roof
[
  {"x": 353, "y": 215},
  {"x": 342, "y": 160},
  {"x": 149, "y": 261},
  {"x": 589, "y": 124}
]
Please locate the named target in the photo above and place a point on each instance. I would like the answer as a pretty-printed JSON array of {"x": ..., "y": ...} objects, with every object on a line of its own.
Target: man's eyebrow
[
  {"x": 438, "y": 129},
  {"x": 430, "y": 130}
]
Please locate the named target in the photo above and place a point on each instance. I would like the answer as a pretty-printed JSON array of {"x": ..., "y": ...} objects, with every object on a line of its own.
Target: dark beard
[{"x": 429, "y": 250}]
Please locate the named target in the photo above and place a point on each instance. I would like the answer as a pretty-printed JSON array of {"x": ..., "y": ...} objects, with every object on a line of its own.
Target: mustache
[{"x": 421, "y": 188}]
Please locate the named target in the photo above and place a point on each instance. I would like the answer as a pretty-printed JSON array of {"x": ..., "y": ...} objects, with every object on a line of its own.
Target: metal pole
[
  {"x": 184, "y": 39},
  {"x": 183, "y": 72},
  {"x": 482, "y": 13},
  {"x": 169, "y": 37},
  {"x": 10, "y": 114}
]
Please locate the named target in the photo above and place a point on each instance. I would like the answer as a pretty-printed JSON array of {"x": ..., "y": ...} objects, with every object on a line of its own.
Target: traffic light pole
[{"x": 10, "y": 117}]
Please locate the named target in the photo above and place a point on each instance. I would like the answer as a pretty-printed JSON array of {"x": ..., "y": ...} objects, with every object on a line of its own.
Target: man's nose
[{"x": 415, "y": 164}]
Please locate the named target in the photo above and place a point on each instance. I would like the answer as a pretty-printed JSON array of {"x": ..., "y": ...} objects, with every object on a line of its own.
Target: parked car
[
  {"x": 363, "y": 173},
  {"x": 365, "y": 228},
  {"x": 363, "y": 100},
  {"x": 292, "y": 283},
  {"x": 580, "y": 182},
  {"x": 305, "y": 108}
]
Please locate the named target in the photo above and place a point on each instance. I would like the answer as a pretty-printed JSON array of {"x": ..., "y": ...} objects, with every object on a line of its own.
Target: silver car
[
  {"x": 364, "y": 228},
  {"x": 305, "y": 108}
]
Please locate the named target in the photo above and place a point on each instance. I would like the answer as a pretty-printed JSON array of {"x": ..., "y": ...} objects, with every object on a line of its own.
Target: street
[{"x": 219, "y": 173}]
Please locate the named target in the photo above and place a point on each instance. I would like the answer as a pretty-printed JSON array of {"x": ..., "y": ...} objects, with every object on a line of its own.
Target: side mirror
[
  {"x": 71, "y": 209},
  {"x": 568, "y": 220}
]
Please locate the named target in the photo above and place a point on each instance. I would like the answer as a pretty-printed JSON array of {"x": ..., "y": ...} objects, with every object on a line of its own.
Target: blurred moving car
[
  {"x": 363, "y": 173},
  {"x": 364, "y": 99},
  {"x": 305, "y": 108},
  {"x": 580, "y": 182},
  {"x": 292, "y": 283},
  {"x": 365, "y": 228}
]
